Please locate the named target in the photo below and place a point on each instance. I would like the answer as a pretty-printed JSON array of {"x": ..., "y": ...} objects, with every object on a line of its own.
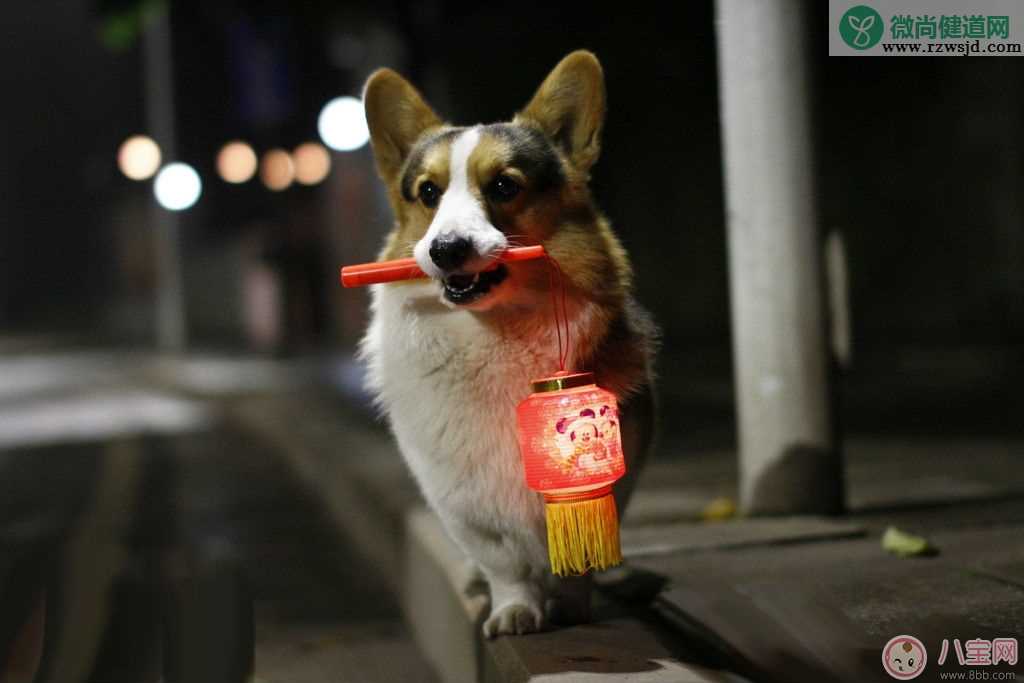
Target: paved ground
[
  {"x": 823, "y": 610},
  {"x": 157, "y": 532},
  {"x": 207, "y": 498},
  {"x": 816, "y": 599}
]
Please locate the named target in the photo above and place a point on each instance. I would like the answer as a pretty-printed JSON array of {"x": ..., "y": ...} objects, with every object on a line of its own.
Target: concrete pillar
[
  {"x": 789, "y": 460},
  {"x": 158, "y": 75}
]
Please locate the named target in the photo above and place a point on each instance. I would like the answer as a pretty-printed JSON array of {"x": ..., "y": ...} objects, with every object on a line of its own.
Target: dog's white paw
[{"x": 514, "y": 619}]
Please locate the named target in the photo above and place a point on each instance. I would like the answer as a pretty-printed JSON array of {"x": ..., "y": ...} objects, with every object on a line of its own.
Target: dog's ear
[
  {"x": 569, "y": 106},
  {"x": 396, "y": 115}
]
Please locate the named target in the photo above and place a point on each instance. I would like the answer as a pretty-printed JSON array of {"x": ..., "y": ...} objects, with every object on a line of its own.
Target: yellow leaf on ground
[
  {"x": 903, "y": 544},
  {"x": 718, "y": 510}
]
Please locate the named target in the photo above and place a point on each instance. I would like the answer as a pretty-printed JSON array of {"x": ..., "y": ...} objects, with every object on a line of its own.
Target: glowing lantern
[{"x": 572, "y": 452}]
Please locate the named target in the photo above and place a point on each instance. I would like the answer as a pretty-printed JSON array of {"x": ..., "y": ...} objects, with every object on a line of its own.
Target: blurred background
[
  {"x": 142, "y": 302},
  {"x": 918, "y": 168}
]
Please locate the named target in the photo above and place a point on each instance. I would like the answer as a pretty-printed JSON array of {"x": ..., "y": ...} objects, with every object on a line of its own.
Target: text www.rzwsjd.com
[{"x": 961, "y": 48}]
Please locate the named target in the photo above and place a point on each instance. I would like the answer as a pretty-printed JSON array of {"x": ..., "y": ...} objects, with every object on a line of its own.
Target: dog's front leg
[
  {"x": 517, "y": 594},
  {"x": 516, "y": 606}
]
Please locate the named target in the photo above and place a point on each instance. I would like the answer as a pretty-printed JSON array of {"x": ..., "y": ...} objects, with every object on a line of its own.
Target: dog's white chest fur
[{"x": 450, "y": 385}]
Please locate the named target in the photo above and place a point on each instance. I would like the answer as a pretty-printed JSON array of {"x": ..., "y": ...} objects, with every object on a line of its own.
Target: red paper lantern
[{"x": 572, "y": 452}]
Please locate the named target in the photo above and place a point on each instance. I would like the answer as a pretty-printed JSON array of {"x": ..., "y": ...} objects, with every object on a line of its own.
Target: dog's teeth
[{"x": 469, "y": 284}]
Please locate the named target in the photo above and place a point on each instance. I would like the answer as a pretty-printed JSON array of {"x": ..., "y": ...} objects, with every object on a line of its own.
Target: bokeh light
[
  {"x": 312, "y": 163},
  {"x": 236, "y": 162},
  {"x": 277, "y": 170},
  {"x": 177, "y": 186},
  {"x": 138, "y": 157},
  {"x": 342, "y": 124}
]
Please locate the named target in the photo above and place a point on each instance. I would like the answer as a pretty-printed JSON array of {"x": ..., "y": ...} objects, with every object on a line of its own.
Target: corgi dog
[{"x": 449, "y": 357}]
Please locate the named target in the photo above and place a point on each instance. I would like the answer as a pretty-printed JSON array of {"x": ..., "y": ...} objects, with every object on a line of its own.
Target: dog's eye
[
  {"x": 503, "y": 188},
  {"x": 430, "y": 194}
]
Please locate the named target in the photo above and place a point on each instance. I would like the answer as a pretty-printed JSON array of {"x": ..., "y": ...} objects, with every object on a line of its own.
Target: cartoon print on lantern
[
  {"x": 609, "y": 424},
  {"x": 585, "y": 442}
]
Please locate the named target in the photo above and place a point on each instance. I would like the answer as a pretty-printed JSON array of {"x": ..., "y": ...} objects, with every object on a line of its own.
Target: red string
[{"x": 555, "y": 271}]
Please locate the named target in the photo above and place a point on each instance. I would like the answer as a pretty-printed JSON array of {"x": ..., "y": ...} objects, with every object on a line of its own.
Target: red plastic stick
[{"x": 406, "y": 268}]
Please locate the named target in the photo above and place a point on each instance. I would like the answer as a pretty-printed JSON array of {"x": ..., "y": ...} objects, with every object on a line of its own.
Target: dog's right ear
[
  {"x": 396, "y": 115},
  {"x": 569, "y": 107}
]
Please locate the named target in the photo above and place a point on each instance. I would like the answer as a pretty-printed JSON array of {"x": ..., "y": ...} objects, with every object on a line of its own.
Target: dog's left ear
[
  {"x": 569, "y": 106},
  {"x": 397, "y": 115}
]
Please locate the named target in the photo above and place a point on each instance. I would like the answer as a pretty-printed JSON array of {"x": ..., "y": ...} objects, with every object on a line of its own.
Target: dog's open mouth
[{"x": 464, "y": 288}]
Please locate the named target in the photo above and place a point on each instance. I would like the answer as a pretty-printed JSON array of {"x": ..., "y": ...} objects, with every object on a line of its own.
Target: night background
[{"x": 918, "y": 178}]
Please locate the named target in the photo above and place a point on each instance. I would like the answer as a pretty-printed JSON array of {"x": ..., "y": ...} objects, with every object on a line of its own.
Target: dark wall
[
  {"x": 67, "y": 104},
  {"x": 922, "y": 171}
]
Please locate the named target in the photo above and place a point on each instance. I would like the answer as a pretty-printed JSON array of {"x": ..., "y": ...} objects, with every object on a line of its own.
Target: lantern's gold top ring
[
  {"x": 560, "y": 381},
  {"x": 553, "y": 498}
]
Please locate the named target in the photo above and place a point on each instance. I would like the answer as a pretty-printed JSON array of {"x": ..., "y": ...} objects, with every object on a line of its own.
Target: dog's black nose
[{"x": 449, "y": 251}]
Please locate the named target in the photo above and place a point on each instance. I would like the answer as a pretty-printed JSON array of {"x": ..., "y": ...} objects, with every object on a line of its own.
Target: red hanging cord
[{"x": 555, "y": 272}]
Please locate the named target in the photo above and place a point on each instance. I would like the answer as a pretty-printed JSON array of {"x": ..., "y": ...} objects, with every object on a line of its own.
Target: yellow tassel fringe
[{"x": 583, "y": 535}]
